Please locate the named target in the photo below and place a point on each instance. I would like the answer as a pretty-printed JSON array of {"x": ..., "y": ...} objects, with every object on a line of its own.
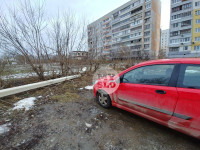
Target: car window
[
  {"x": 153, "y": 75},
  {"x": 191, "y": 76}
]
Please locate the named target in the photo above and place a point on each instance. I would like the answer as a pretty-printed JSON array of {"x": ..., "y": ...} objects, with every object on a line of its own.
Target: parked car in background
[{"x": 164, "y": 91}]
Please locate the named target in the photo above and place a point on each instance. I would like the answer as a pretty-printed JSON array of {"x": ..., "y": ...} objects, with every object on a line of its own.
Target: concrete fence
[{"x": 20, "y": 89}]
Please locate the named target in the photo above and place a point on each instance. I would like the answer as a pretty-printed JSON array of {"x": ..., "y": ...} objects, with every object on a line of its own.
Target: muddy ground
[{"x": 62, "y": 117}]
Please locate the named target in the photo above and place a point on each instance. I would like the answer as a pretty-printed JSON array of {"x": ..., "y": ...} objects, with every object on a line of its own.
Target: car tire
[{"x": 104, "y": 100}]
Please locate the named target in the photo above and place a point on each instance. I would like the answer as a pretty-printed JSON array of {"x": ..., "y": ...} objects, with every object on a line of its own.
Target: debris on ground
[{"x": 88, "y": 125}]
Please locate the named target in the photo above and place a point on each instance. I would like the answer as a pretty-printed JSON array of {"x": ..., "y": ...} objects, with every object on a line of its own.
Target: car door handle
[{"x": 160, "y": 92}]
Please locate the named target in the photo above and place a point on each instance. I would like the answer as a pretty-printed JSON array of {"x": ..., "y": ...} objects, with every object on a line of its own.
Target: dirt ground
[{"x": 66, "y": 117}]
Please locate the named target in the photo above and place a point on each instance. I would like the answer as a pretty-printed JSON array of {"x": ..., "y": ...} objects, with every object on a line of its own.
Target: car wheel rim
[{"x": 103, "y": 99}]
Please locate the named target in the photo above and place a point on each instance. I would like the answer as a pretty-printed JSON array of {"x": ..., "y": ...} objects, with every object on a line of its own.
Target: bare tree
[
  {"x": 67, "y": 34},
  {"x": 41, "y": 43},
  {"x": 22, "y": 32},
  {"x": 2, "y": 68},
  {"x": 162, "y": 54}
]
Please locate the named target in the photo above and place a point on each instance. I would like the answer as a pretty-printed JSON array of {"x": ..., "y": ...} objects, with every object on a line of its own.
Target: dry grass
[{"x": 67, "y": 97}]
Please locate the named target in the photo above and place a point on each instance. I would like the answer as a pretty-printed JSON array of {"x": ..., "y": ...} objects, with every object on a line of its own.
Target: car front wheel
[{"x": 104, "y": 99}]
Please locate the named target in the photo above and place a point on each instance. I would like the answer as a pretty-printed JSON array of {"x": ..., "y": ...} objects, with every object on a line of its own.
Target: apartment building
[
  {"x": 164, "y": 42},
  {"x": 184, "y": 29},
  {"x": 134, "y": 28}
]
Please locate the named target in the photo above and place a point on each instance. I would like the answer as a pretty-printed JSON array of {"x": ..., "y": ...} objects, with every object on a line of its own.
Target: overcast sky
[{"x": 92, "y": 9}]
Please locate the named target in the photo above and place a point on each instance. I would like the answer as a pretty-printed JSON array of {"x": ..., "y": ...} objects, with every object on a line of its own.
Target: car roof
[
  {"x": 165, "y": 61},
  {"x": 174, "y": 60}
]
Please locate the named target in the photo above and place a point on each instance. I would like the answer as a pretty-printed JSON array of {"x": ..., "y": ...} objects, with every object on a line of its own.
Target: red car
[{"x": 164, "y": 91}]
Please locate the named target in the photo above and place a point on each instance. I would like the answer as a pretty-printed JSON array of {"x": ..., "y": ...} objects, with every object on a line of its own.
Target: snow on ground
[
  {"x": 84, "y": 69},
  {"x": 4, "y": 128},
  {"x": 26, "y": 104},
  {"x": 89, "y": 87}
]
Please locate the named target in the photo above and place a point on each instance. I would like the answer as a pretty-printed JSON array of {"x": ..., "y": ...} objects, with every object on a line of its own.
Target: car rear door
[
  {"x": 187, "y": 113},
  {"x": 147, "y": 90}
]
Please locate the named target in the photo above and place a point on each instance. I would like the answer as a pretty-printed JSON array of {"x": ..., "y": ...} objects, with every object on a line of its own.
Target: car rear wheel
[{"x": 104, "y": 100}]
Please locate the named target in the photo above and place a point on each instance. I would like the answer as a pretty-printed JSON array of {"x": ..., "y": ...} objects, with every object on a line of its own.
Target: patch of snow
[
  {"x": 81, "y": 89},
  {"x": 26, "y": 104},
  {"x": 84, "y": 69},
  {"x": 88, "y": 125},
  {"x": 89, "y": 87},
  {"x": 4, "y": 128}
]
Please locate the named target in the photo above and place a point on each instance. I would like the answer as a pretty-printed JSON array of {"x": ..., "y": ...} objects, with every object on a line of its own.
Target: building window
[
  {"x": 146, "y": 46},
  {"x": 184, "y": 40},
  {"x": 136, "y": 23},
  {"x": 173, "y": 33},
  {"x": 178, "y": 16},
  {"x": 148, "y": 13},
  {"x": 137, "y": 3},
  {"x": 125, "y": 32},
  {"x": 174, "y": 49},
  {"x": 197, "y": 48},
  {"x": 106, "y": 20},
  {"x": 125, "y": 15},
  {"x": 187, "y": 6},
  {"x": 148, "y": 6},
  {"x": 115, "y": 25},
  {"x": 125, "y": 37},
  {"x": 197, "y": 12},
  {"x": 174, "y": 41},
  {"x": 136, "y": 29},
  {"x": 197, "y": 3},
  {"x": 197, "y": 39},
  {"x": 197, "y": 21},
  {"x": 116, "y": 34},
  {"x": 147, "y": 20},
  {"x": 186, "y": 31},
  {"x": 136, "y": 10},
  {"x": 147, "y": 27},
  {"x": 125, "y": 9},
  {"x": 186, "y": 23},
  {"x": 175, "y": 1},
  {"x": 175, "y": 9},
  {"x": 147, "y": 33},
  {"x": 175, "y": 25},
  {"x": 185, "y": 48},
  {"x": 197, "y": 30},
  {"x": 146, "y": 39},
  {"x": 125, "y": 21}
]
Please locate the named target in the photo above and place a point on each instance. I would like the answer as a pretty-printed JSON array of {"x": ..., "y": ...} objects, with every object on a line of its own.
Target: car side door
[
  {"x": 186, "y": 116},
  {"x": 147, "y": 90}
]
